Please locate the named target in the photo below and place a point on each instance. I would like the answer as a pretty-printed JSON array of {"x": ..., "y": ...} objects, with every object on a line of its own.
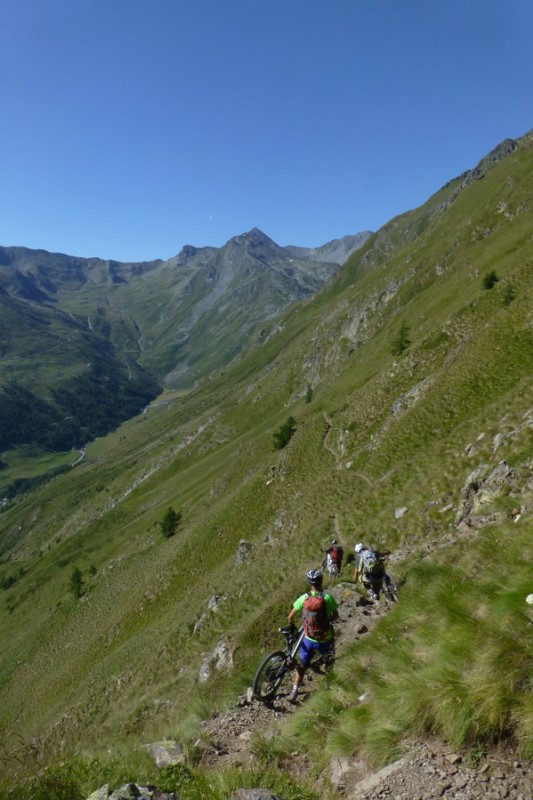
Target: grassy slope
[{"x": 124, "y": 658}]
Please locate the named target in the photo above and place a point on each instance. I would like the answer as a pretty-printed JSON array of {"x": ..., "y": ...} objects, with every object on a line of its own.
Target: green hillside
[{"x": 409, "y": 378}]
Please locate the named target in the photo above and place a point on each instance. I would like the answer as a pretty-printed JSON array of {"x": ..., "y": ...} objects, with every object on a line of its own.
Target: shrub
[
  {"x": 490, "y": 279},
  {"x": 284, "y": 433},
  {"x": 402, "y": 340},
  {"x": 170, "y": 522},
  {"x": 76, "y": 583},
  {"x": 509, "y": 295}
]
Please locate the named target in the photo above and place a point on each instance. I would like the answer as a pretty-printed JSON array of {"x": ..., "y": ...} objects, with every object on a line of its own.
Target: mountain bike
[
  {"x": 385, "y": 585},
  {"x": 330, "y": 566},
  {"x": 390, "y": 588},
  {"x": 275, "y": 667}
]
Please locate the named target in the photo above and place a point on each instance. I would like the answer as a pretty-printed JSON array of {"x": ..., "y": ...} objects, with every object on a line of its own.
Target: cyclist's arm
[{"x": 292, "y": 615}]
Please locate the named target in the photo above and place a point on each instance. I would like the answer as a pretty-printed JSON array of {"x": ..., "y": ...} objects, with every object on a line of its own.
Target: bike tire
[
  {"x": 390, "y": 589},
  {"x": 270, "y": 674}
]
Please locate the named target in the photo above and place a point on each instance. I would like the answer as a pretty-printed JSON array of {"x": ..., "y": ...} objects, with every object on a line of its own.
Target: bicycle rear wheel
[
  {"x": 270, "y": 675},
  {"x": 390, "y": 588}
]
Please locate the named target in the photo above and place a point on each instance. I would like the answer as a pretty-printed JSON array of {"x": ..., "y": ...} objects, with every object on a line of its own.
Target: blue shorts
[{"x": 309, "y": 647}]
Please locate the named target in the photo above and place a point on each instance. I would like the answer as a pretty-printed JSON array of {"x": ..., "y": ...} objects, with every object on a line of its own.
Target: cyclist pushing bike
[
  {"x": 319, "y": 610},
  {"x": 369, "y": 568},
  {"x": 333, "y": 559}
]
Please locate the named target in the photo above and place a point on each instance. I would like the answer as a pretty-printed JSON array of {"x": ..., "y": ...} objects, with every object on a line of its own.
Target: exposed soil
[
  {"x": 428, "y": 771},
  {"x": 227, "y": 738}
]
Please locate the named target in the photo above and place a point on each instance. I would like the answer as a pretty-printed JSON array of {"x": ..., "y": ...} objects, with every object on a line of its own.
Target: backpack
[
  {"x": 315, "y": 617},
  {"x": 337, "y": 553},
  {"x": 372, "y": 564}
]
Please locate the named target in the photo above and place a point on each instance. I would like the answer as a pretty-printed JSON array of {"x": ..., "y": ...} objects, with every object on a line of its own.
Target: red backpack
[
  {"x": 337, "y": 553},
  {"x": 315, "y": 617}
]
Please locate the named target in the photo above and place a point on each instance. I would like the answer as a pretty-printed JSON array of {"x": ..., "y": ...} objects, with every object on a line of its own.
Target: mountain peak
[{"x": 254, "y": 236}]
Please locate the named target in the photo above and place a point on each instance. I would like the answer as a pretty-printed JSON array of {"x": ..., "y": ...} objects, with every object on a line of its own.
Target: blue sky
[{"x": 133, "y": 127}]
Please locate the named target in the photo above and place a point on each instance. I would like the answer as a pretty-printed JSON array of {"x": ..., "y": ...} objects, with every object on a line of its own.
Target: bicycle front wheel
[{"x": 270, "y": 674}]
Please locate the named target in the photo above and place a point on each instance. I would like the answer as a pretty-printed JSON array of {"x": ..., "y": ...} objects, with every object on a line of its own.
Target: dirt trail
[
  {"x": 429, "y": 771},
  {"x": 227, "y": 738}
]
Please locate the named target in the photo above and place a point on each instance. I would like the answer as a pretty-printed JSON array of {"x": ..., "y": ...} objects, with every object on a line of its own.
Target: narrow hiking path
[
  {"x": 429, "y": 770},
  {"x": 227, "y": 738}
]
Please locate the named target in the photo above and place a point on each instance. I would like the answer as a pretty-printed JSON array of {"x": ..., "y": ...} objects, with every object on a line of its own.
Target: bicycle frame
[{"x": 293, "y": 639}]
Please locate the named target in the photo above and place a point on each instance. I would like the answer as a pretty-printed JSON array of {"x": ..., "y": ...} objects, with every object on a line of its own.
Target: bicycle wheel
[
  {"x": 270, "y": 674},
  {"x": 390, "y": 589}
]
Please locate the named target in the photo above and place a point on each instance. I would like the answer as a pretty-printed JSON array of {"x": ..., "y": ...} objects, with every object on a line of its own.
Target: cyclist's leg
[
  {"x": 307, "y": 649},
  {"x": 327, "y": 653}
]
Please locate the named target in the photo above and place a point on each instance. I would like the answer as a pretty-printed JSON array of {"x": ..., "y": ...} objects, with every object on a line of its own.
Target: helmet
[
  {"x": 333, "y": 541},
  {"x": 314, "y": 576},
  {"x": 359, "y": 547}
]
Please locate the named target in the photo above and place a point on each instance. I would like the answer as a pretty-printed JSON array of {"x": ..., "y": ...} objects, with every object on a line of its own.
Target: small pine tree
[
  {"x": 308, "y": 393},
  {"x": 490, "y": 279},
  {"x": 284, "y": 433},
  {"x": 401, "y": 343},
  {"x": 509, "y": 295},
  {"x": 76, "y": 583},
  {"x": 170, "y": 522}
]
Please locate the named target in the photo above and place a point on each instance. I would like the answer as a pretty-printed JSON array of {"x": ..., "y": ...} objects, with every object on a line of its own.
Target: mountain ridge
[{"x": 174, "y": 321}]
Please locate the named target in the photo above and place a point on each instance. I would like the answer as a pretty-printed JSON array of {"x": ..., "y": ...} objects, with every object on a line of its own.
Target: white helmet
[{"x": 359, "y": 547}]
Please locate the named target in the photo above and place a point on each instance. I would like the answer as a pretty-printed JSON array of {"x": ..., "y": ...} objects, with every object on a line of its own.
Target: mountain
[
  {"x": 406, "y": 380},
  {"x": 214, "y": 301},
  {"x": 338, "y": 251},
  {"x": 163, "y": 322}
]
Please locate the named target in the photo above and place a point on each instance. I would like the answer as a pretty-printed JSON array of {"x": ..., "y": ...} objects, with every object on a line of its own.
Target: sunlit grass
[{"x": 453, "y": 660}]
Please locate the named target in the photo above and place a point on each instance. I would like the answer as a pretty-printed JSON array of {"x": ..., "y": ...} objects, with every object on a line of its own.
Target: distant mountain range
[{"x": 172, "y": 321}]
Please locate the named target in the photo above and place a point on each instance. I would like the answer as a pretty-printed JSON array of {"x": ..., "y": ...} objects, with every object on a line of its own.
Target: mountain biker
[
  {"x": 369, "y": 567},
  {"x": 319, "y": 610},
  {"x": 336, "y": 551}
]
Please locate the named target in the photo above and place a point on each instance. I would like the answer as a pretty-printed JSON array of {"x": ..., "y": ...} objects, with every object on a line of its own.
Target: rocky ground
[
  {"x": 431, "y": 772},
  {"x": 428, "y": 771},
  {"x": 228, "y": 738}
]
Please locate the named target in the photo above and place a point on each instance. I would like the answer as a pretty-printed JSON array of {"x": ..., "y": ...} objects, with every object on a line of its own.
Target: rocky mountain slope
[
  {"x": 337, "y": 251},
  {"x": 169, "y": 311}
]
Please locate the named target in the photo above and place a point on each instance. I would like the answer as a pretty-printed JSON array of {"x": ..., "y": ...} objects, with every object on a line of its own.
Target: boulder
[
  {"x": 243, "y": 552},
  {"x": 215, "y": 602},
  {"x": 100, "y": 794},
  {"x": 127, "y": 792},
  {"x": 254, "y": 794},
  {"x": 221, "y": 659},
  {"x": 166, "y": 753}
]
